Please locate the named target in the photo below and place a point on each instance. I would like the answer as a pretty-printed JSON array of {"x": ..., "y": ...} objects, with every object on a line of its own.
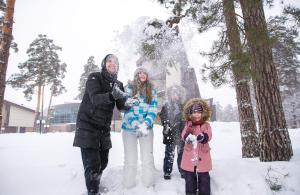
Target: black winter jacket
[
  {"x": 95, "y": 112},
  {"x": 174, "y": 121}
]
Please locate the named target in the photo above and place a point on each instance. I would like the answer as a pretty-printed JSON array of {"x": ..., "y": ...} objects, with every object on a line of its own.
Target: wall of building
[
  {"x": 20, "y": 118},
  {"x": 16, "y": 118}
]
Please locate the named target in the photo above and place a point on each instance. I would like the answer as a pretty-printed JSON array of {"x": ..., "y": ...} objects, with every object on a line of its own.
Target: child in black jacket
[{"x": 172, "y": 121}]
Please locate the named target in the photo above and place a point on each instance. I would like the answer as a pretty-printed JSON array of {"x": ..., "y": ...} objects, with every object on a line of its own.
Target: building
[
  {"x": 62, "y": 117},
  {"x": 16, "y": 118}
]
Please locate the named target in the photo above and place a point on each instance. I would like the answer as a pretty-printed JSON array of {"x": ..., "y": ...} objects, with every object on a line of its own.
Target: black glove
[
  {"x": 202, "y": 138},
  {"x": 117, "y": 93},
  {"x": 166, "y": 128}
]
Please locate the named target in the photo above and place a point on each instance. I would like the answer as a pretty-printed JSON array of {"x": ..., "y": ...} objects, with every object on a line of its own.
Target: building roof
[{"x": 18, "y": 106}]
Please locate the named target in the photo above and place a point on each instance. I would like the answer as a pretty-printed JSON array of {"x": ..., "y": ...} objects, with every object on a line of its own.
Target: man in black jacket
[
  {"x": 173, "y": 124},
  {"x": 103, "y": 91}
]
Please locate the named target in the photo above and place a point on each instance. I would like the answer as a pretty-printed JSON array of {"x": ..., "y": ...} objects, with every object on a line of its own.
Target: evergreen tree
[
  {"x": 57, "y": 87},
  {"x": 293, "y": 12},
  {"x": 286, "y": 50},
  {"x": 219, "y": 112},
  {"x": 13, "y": 45},
  {"x": 275, "y": 143},
  {"x": 248, "y": 129},
  {"x": 207, "y": 17},
  {"x": 5, "y": 43},
  {"x": 291, "y": 107},
  {"x": 42, "y": 68},
  {"x": 158, "y": 42},
  {"x": 228, "y": 113},
  {"x": 88, "y": 69}
]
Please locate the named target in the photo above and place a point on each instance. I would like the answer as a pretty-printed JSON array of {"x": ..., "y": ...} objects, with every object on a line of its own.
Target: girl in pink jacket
[{"x": 196, "y": 159}]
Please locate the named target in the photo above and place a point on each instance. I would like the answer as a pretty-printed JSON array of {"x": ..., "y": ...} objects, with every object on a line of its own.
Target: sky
[
  {"x": 86, "y": 28},
  {"x": 48, "y": 164},
  {"x": 82, "y": 29}
]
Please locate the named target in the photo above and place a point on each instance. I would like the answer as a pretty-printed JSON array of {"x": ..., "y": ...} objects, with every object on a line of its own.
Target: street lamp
[
  {"x": 46, "y": 128},
  {"x": 40, "y": 122}
]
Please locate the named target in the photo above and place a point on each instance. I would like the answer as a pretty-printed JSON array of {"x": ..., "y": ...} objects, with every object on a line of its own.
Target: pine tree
[
  {"x": 275, "y": 143},
  {"x": 219, "y": 112},
  {"x": 42, "y": 68},
  {"x": 291, "y": 107},
  {"x": 5, "y": 43},
  {"x": 158, "y": 42},
  {"x": 286, "y": 50},
  {"x": 248, "y": 129},
  {"x": 88, "y": 69},
  {"x": 13, "y": 45},
  {"x": 293, "y": 12},
  {"x": 57, "y": 87}
]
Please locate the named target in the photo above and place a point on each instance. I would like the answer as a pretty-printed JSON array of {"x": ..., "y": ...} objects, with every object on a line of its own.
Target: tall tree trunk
[
  {"x": 275, "y": 143},
  {"x": 48, "y": 111},
  {"x": 42, "y": 111},
  {"x": 37, "y": 109},
  {"x": 4, "y": 48},
  {"x": 249, "y": 135}
]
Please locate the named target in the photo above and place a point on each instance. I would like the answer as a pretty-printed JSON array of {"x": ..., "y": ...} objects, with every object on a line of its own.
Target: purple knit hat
[{"x": 196, "y": 108}]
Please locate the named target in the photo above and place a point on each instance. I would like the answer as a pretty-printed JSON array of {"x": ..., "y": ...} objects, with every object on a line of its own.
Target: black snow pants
[
  {"x": 94, "y": 162},
  {"x": 169, "y": 157},
  {"x": 191, "y": 183}
]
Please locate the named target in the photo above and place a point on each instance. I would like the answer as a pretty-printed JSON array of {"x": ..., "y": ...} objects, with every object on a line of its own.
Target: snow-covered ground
[{"x": 47, "y": 164}]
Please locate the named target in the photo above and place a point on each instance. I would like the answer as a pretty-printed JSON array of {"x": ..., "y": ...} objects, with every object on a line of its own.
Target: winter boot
[
  {"x": 167, "y": 176},
  {"x": 182, "y": 175},
  {"x": 94, "y": 193}
]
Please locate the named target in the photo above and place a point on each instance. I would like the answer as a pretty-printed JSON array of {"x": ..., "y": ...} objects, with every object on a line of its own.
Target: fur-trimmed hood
[{"x": 206, "y": 109}]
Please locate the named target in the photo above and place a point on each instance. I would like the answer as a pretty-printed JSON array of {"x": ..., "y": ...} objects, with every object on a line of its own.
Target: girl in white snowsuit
[
  {"x": 173, "y": 123},
  {"x": 137, "y": 126}
]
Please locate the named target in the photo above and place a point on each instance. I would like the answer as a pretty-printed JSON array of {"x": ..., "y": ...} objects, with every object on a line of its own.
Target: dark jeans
[
  {"x": 169, "y": 157},
  {"x": 191, "y": 183},
  {"x": 94, "y": 162}
]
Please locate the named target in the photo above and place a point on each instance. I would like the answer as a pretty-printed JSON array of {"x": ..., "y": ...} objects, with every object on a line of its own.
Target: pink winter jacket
[{"x": 203, "y": 163}]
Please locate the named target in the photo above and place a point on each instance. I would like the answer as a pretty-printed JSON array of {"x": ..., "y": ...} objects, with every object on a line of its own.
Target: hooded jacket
[
  {"x": 96, "y": 110},
  {"x": 171, "y": 115},
  {"x": 200, "y": 156}
]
